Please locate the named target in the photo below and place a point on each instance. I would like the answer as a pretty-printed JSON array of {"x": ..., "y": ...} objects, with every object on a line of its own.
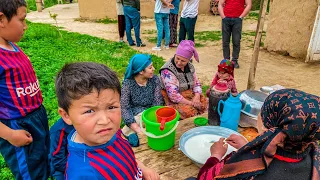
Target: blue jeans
[
  {"x": 132, "y": 16},
  {"x": 162, "y": 21}
]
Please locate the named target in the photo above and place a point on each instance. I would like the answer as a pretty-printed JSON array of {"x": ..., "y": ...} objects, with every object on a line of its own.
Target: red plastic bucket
[{"x": 164, "y": 115}]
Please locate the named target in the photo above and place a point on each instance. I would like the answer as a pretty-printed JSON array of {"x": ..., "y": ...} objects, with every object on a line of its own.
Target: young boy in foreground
[{"x": 89, "y": 99}]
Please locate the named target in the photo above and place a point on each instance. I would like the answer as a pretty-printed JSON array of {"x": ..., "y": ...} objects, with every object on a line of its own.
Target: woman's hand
[
  {"x": 20, "y": 138},
  {"x": 196, "y": 101},
  {"x": 236, "y": 141},
  {"x": 219, "y": 149},
  {"x": 135, "y": 127},
  {"x": 148, "y": 173}
]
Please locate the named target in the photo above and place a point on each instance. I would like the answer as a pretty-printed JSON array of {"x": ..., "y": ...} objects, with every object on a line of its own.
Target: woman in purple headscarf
[
  {"x": 287, "y": 147},
  {"x": 181, "y": 87}
]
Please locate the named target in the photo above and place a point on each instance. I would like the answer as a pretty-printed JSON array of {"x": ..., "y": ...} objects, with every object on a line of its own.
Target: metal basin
[
  {"x": 199, "y": 151},
  {"x": 252, "y": 102}
]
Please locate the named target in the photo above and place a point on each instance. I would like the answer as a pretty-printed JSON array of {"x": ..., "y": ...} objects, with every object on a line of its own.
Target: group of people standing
[{"x": 166, "y": 12}]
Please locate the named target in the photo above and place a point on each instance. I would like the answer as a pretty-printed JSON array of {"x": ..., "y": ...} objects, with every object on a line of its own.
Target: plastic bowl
[
  {"x": 200, "y": 121},
  {"x": 203, "y": 153},
  {"x": 252, "y": 102}
]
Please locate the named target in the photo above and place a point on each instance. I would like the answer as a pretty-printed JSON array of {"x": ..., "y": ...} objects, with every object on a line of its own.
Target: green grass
[
  {"x": 200, "y": 37},
  {"x": 149, "y": 31},
  {"x": 208, "y": 36},
  {"x": 107, "y": 21},
  {"x": 47, "y": 3},
  {"x": 48, "y": 53},
  {"x": 253, "y": 15}
]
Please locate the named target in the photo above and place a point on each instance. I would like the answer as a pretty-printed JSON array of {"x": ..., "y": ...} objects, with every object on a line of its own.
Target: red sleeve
[
  {"x": 215, "y": 80},
  {"x": 212, "y": 168}
]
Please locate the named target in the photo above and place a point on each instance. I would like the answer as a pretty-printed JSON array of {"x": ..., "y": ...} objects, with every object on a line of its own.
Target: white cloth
[
  {"x": 127, "y": 130},
  {"x": 161, "y": 8},
  {"x": 119, "y": 7},
  {"x": 190, "y": 8}
]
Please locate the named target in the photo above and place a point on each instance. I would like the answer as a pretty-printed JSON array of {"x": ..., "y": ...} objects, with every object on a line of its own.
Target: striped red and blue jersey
[
  {"x": 19, "y": 86},
  {"x": 113, "y": 160}
]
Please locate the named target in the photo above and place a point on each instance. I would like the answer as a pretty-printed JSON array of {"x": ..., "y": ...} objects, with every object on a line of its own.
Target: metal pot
[{"x": 252, "y": 102}]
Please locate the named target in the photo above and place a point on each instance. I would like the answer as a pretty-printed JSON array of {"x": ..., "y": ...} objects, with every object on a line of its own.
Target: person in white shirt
[{"x": 188, "y": 19}]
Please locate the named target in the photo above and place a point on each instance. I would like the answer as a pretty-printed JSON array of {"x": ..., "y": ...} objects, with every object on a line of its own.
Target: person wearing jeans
[
  {"x": 232, "y": 13},
  {"x": 132, "y": 16},
  {"x": 161, "y": 14},
  {"x": 188, "y": 19}
]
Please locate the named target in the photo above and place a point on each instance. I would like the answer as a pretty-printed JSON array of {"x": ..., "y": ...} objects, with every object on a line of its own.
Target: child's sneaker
[
  {"x": 156, "y": 48},
  {"x": 141, "y": 45},
  {"x": 166, "y": 47}
]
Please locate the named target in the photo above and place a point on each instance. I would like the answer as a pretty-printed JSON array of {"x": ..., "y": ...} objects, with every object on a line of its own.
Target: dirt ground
[{"x": 272, "y": 68}]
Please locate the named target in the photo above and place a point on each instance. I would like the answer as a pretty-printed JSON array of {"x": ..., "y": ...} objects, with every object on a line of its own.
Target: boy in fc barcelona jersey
[
  {"x": 24, "y": 131},
  {"x": 89, "y": 99}
]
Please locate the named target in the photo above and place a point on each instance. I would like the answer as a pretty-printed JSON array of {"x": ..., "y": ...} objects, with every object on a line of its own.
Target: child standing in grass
[
  {"x": 24, "y": 131},
  {"x": 89, "y": 99}
]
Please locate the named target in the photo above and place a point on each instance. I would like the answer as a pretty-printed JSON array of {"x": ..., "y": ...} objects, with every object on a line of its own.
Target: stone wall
[
  {"x": 290, "y": 25},
  {"x": 98, "y": 9}
]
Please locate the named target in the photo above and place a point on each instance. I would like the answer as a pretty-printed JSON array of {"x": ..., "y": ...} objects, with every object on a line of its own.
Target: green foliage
[
  {"x": 208, "y": 36},
  {"x": 204, "y": 89},
  {"x": 149, "y": 31},
  {"x": 47, "y": 3},
  {"x": 107, "y": 21},
  {"x": 253, "y": 15},
  {"x": 48, "y": 53}
]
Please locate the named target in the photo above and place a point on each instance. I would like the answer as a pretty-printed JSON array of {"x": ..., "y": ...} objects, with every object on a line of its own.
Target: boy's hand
[
  {"x": 19, "y": 138},
  {"x": 218, "y": 149},
  {"x": 236, "y": 141},
  {"x": 148, "y": 173}
]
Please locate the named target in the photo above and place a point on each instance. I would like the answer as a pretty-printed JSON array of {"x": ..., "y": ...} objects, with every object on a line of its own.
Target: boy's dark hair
[
  {"x": 10, "y": 7},
  {"x": 78, "y": 79}
]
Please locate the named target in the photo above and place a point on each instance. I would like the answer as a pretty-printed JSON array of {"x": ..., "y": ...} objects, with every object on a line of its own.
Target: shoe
[
  {"x": 141, "y": 45},
  {"x": 133, "y": 44},
  {"x": 173, "y": 45},
  {"x": 166, "y": 47},
  {"x": 121, "y": 41},
  {"x": 236, "y": 64},
  {"x": 156, "y": 48}
]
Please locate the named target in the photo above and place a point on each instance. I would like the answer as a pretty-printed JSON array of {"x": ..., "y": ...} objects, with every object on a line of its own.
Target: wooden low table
[{"x": 171, "y": 164}]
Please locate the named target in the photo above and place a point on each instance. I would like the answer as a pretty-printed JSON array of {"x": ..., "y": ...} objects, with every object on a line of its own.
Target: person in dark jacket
[
  {"x": 58, "y": 148},
  {"x": 287, "y": 147}
]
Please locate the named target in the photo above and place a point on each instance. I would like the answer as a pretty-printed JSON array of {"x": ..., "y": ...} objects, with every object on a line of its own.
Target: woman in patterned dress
[
  {"x": 181, "y": 87},
  {"x": 140, "y": 90}
]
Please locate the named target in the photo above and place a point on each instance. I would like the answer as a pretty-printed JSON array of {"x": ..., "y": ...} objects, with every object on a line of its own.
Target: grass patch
[
  {"x": 48, "y": 53},
  {"x": 47, "y": 3},
  {"x": 208, "y": 36},
  {"x": 199, "y": 45},
  {"x": 204, "y": 89},
  {"x": 107, "y": 21},
  {"x": 152, "y": 39},
  {"x": 253, "y": 15},
  {"x": 149, "y": 31}
]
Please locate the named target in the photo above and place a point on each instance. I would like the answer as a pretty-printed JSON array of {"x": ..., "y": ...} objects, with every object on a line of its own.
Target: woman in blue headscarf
[{"x": 140, "y": 90}]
